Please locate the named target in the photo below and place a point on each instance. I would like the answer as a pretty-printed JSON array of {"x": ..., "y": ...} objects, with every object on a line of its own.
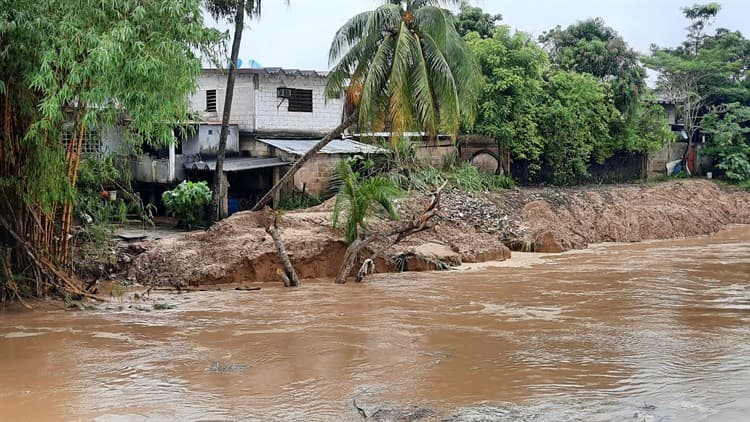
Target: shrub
[
  {"x": 299, "y": 200},
  {"x": 188, "y": 202}
]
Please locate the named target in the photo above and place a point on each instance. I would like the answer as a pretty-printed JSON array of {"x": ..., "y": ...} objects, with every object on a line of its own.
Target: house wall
[
  {"x": 243, "y": 102},
  {"x": 315, "y": 174},
  {"x": 113, "y": 141},
  {"x": 272, "y": 112},
  {"x": 257, "y": 108},
  {"x": 670, "y": 112},
  {"x": 206, "y": 141}
]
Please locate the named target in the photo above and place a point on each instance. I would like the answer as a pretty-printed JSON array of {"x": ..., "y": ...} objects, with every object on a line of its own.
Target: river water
[{"x": 639, "y": 332}]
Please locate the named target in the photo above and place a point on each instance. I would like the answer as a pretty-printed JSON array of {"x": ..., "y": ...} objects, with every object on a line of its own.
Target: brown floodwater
[{"x": 651, "y": 331}]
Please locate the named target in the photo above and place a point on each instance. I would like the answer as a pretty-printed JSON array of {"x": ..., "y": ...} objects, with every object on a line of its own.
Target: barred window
[
  {"x": 211, "y": 100},
  {"x": 301, "y": 100},
  {"x": 92, "y": 141}
]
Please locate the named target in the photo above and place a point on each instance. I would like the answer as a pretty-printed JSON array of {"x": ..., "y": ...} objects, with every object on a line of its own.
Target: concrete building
[
  {"x": 277, "y": 115},
  {"x": 270, "y": 102}
]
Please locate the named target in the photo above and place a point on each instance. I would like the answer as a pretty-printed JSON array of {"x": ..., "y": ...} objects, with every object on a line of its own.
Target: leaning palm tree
[{"x": 401, "y": 67}]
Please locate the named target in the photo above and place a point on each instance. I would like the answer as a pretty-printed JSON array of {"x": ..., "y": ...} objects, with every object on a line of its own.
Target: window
[
  {"x": 211, "y": 100},
  {"x": 301, "y": 100},
  {"x": 92, "y": 142}
]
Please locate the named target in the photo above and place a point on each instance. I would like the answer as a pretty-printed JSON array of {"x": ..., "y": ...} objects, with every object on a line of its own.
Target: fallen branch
[
  {"x": 47, "y": 266},
  {"x": 288, "y": 276}
]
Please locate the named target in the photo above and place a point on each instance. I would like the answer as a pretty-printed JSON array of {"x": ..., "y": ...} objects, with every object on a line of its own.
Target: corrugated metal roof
[
  {"x": 237, "y": 164},
  {"x": 337, "y": 146}
]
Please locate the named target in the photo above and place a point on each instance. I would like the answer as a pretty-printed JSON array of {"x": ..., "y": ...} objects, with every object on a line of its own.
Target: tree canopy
[
  {"x": 582, "y": 98},
  {"x": 70, "y": 67},
  {"x": 405, "y": 68},
  {"x": 473, "y": 19}
]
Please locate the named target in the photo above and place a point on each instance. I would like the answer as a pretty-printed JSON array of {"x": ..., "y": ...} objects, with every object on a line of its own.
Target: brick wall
[{"x": 316, "y": 173}]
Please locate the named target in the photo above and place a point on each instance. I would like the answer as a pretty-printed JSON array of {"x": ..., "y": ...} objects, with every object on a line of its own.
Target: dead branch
[
  {"x": 47, "y": 266},
  {"x": 419, "y": 224},
  {"x": 288, "y": 275}
]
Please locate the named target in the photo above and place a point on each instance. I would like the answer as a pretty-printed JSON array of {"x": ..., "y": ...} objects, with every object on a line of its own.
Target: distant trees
[
  {"x": 512, "y": 89},
  {"x": 581, "y": 98},
  {"x": 473, "y": 19},
  {"x": 707, "y": 78}
]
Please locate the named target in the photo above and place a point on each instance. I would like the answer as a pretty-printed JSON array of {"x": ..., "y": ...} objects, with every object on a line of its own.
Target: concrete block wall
[
  {"x": 257, "y": 108},
  {"x": 206, "y": 141},
  {"x": 243, "y": 103},
  {"x": 272, "y": 112},
  {"x": 658, "y": 160},
  {"x": 316, "y": 173}
]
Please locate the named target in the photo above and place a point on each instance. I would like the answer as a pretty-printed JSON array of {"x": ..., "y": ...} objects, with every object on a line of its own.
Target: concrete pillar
[{"x": 171, "y": 166}]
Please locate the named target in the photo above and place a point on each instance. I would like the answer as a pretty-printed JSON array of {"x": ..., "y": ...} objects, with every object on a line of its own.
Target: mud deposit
[{"x": 656, "y": 331}]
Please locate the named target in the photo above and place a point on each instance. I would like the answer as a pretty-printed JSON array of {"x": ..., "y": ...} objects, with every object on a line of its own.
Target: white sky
[{"x": 298, "y": 35}]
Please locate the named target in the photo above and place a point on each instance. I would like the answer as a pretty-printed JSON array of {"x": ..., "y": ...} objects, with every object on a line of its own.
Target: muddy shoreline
[{"x": 473, "y": 228}]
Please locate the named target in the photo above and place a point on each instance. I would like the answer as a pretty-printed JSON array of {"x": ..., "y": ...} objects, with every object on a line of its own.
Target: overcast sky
[{"x": 298, "y": 35}]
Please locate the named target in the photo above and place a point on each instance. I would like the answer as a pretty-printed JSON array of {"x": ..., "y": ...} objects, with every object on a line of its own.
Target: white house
[{"x": 270, "y": 102}]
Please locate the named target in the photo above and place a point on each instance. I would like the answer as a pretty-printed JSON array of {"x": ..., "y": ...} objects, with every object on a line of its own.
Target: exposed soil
[{"x": 473, "y": 228}]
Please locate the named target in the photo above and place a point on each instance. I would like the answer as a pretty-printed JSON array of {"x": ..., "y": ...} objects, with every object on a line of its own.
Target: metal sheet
[
  {"x": 337, "y": 146},
  {"x": 238, "y": 164}
]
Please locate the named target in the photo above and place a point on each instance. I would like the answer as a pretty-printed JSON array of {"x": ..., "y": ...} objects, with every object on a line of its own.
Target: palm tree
[
  {"x": 361, "y": 198},
  {"x": 402, "y": 67}
]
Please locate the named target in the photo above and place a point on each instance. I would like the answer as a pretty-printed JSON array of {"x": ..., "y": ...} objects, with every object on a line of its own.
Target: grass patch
[{"x": 461, "y": 175}]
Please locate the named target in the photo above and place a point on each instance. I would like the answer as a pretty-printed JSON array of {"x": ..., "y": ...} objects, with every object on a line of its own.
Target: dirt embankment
[
  {"x": 559, "y": 219},
  {"x": 473, "y": 228}
]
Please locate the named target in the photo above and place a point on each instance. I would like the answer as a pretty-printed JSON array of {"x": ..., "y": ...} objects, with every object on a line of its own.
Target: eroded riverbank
[
  {"x": 472, "y": 228},
  {"x": 656, "y": 330}
]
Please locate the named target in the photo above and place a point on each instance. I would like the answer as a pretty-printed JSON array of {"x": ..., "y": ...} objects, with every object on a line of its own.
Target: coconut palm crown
[{"x": 404, "y": 67}]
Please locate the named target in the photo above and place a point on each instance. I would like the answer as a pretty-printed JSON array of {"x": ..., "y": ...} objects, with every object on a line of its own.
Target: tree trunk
[
  {"x": 217, "y": 212},
  {"x": 291, "y": 275},
  {"x": 350, "y": 259},
  {"x": 419, "y": 224},
  {"x": 305, "y": 158}
]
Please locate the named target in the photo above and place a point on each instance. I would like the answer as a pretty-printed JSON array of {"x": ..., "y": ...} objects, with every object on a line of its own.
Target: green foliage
[
  {"x": 512, "y": 89},
  {"x": 405, "y": 68},
  {"x": 298, "y": 200},
  {"x": 473, "y": 19},
  {"x": 188, "y": 203},
  {"x": 362, "y": 197},
  {"x": 459, "y": 174},
  {"x": 701, "y": 16},
  {"x": 705, "y": 71},
  {"x": 574, "y": 119},
  {"x": 591, "y": 47},
  {"x": 728, "y": 130},
  {"x": 80, "y": 66}
]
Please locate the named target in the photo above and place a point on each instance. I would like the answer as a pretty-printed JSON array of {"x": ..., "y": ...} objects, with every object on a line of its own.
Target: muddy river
[{"x": 652, "y": 331}]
